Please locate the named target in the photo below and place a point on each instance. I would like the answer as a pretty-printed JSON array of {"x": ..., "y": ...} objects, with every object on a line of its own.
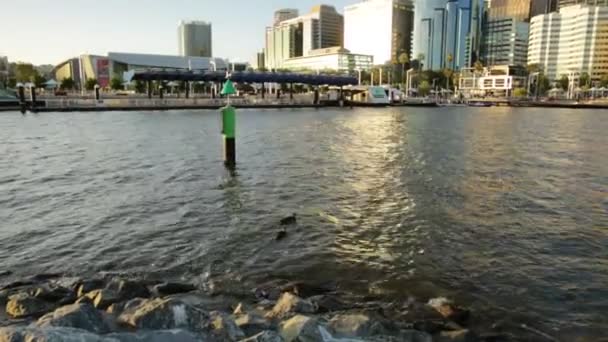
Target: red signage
[{"x": 103, "y": 72}]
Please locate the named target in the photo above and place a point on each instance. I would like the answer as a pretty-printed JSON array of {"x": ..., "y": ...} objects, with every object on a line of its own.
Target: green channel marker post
[{"x": 229, "y": 126}]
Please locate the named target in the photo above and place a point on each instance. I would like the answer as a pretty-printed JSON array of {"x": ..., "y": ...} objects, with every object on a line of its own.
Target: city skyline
[{"x": 64, "y": 28}]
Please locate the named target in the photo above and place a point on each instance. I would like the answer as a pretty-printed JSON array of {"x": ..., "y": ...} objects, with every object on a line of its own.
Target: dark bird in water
[
  {"x": 289, "y": 220},
  {"x": 281, "y": 234}
]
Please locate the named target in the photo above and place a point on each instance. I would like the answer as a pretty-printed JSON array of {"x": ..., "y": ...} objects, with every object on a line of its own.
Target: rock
[
  {"x": 128, "y": 289},
  {"x": 166, "y": 289},
  {"x": 16, "y": 284},
  {"x": 264, "y": 336},
  {"x": 414, "y": 336},
  {"x": 435, "y": 326},
  {"x": 305, "y": 290},
  {"x": 5, "y": 273},
  {"x": 117, "y": 308},
  {"x": 300, "y": 329},
  {"x": 55, "y": 294},
  {"x": 80, "y": 315},
  {"x": 155, "y": 336},
  {"x": 457, "y": 336},
  {"x": 355, "y": 325},
  {"x": 449, "y": 310},
  {"x": 419, "y": 312},
  {"x": 102, "y": 299},
  {"x": 224, "y": 327},
  {"x": 23, "y": 305},
  {"x": 30, "y": 334},
  {"x": 270, "y": 290},
  {"x": 251, "y": 323},
  {"x": 327, "y": 303},
  {"x": 290, "y": 304},
  {"x": 89, "y": 285},
  {"x": 164, "y": 314}
]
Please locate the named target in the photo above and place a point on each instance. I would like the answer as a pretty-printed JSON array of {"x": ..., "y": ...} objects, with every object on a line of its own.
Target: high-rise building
[
  {"x": 297, "y": 37},
  {"x": 520, "y": 10},
  {"x": 506, "y": 29},
  {"x": 285, "y": 14},
  {"x": 447, "y": 33},
  {"x": 195, "y": 39},
  {"x": 564, "y": 3},
  {"x": 571, "y": 42},
  {"x": 505, "y": 42},
  {"x": 381, "y": 28},
  {"x": 258, "y": 61}
]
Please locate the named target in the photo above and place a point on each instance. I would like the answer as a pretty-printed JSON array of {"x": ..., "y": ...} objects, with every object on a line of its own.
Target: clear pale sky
[{"x": 49, "y": 31}]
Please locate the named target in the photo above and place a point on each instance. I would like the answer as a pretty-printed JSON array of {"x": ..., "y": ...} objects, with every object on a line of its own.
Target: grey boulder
[
  {"x": 23, "y": 305},
  {"x": 225, "y": 327},
  {"x": 80, "y": 315},
  {"x": 300, "y": 328},
  {"x": 155, "y": 336},
  {"x": 29, "y": 334},
  {"x": 264, "y": 336},
  {"x": 289, "y": 304},
  {"x": 163, "y": 314}
]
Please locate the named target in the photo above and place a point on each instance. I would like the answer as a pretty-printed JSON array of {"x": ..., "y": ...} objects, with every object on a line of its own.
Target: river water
[{"x": 504, "y": 209}]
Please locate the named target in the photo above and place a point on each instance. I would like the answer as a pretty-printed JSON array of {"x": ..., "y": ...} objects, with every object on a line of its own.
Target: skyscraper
[
  {"x": 447, "y": 33},
  {"x": 195, "y": 39},
  {"x": 571, "y": 42},
  {"x": 506, "y": 28},
  {"x": 382, "y": 28},
  {"x": 284, "y": 14},
  {"x": 520, "y": 10},
  {"x": 564, "y": 3},
  {"x": 297, "y": 37}
]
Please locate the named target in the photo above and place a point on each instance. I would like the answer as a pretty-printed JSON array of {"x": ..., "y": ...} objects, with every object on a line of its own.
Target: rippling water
[{"x": 505, "y": 209}]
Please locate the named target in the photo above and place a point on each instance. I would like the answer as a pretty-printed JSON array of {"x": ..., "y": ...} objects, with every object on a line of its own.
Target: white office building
[
  {"x": 322, "y": 28},
  {"x": 194, "y": 39},
  {"x": 571, "y": 42},
  {"x": 336, "y": 58},
  {"x": 381, "y": 28}
]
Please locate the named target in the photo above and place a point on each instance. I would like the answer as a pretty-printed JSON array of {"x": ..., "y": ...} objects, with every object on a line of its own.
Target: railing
[{"x": 174, "y": 102}]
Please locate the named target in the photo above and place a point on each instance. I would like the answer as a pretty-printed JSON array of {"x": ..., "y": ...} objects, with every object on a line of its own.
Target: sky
[{"x": 51, "y": 31}]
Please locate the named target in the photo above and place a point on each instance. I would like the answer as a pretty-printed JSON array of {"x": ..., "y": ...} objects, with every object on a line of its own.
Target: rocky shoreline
[{"x": 114, "y": 308}]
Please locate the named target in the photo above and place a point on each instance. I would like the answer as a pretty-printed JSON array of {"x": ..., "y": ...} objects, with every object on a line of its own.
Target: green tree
[
  {"x": 420, "y": 58},
  {"x": 604, "y": 81},
  {"x": 25, "y": 72},
  {"x": 584, "y": 79},
  {"x": 478, "y": 66},
  {"x": 543, "y": 84},
  {"x": 520, "y": 92},
  {"x": 67, "y": 84},
  {"x": 532, "y": 68},
  {"x": 424, "y": 88},
  {"x": 450, "y": 59},
  {"x": 563, "y": 82},
  {"x": 404, "y": 59},
  {"x": 116, "y": 83},
  {"x": 39, "y": 81},
  {"x": 140, "y": 87},
  {"x": 90, "y": 84}
]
